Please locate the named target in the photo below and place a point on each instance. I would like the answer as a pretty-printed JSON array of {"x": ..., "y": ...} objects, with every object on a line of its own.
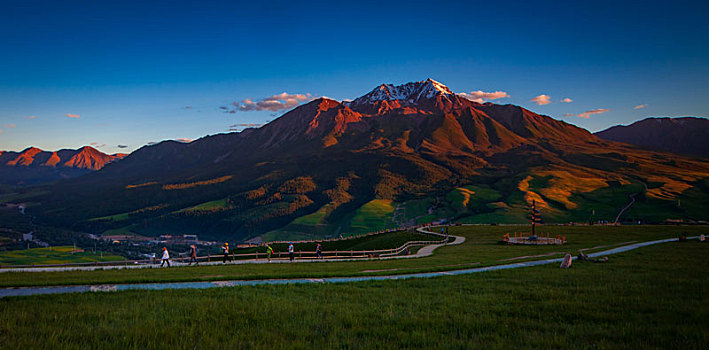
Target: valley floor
[{"x": 651, "y": 297}]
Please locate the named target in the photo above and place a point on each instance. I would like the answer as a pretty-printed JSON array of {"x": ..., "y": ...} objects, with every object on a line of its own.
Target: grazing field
[
  {"x": 212, "y": 205},
  {"x": 53, "y": 255},
  {"x": 480, "y": 249},
  {"x": 314, "y": 218},
  {"x": 652, "y": 297},
  {"x": 373, "y": 216}
]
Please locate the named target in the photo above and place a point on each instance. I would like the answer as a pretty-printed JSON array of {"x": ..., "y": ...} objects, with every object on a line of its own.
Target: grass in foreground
[
  {"x": 481, "y": 248},
  {"x": 652, "y": 297}
]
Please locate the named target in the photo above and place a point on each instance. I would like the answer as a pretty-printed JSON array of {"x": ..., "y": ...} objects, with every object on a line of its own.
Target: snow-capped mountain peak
[{"x": 409, "y": 92}]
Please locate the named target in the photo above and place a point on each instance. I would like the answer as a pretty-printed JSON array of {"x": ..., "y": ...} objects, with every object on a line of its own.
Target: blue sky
[{"x": 139, "y": 72}]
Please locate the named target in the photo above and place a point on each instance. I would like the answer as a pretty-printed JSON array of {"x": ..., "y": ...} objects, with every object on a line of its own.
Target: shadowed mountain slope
[
  {"x": 687, "y": 135},
  {"x": 395, "y": 156}
]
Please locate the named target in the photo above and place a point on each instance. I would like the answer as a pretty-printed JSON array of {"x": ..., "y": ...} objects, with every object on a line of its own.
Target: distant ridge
[
  {"x": 686, "y": 135},
  {"x": 34, "y": 166}
]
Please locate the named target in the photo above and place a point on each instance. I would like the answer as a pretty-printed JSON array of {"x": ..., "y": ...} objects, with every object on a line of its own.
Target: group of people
[
  {"x": 227, "y": 256},
  {"x": 291, "y": 251},
  {"x": 166, "y": 256}
]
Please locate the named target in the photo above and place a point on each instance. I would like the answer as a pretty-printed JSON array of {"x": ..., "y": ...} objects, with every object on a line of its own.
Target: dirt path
[
  {"x": 423, "y": 252},
  {"x": 632, "y": 201}
]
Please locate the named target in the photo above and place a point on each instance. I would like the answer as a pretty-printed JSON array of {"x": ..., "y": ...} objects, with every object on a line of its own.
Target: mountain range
[
  {"x": 688, "y": 135},
  {"x": 33, "y": 165},
  {"x": 397, "y": 155}
]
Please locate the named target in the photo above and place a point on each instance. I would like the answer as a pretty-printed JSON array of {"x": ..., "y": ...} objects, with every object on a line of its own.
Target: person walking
[
  {"x": 291, "y": 251},
  {"x": 318, "y": 251},
  {"x": 225, "y": 249},
  {"x": 269, "y": 251},
  {"x": 165, "y": 257},
  {"x": 193, "y": 255}
]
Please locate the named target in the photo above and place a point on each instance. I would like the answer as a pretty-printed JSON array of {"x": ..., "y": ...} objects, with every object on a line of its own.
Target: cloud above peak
[
  {"x": 589, "y": 113},
  {"x": 184, "y": 140},
  {"x": 75, "y": 116},
  {"x": 541, "y": 100},
  {"x": 640, "y": 106},
  {"x": 482, "y": 96},
  {"x": 275, "y": 103}
]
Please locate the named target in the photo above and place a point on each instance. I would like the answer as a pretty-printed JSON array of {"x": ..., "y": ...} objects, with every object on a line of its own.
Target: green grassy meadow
[
  {"x": 314, "y": 218},
  {"x": 52, "y": 255},
  {"x": 373, "y": 216},
  {"x": 388, "y": 240},
  {"x": 212, "y": 205},
  {"x": 651, "y": 297},
  {"x": 481, "y": 248}
]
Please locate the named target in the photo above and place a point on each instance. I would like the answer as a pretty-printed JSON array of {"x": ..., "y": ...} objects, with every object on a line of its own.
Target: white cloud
[
  {"x": 8, "y": 126},
  {"x": 567, "y": 100},
  {"x": 569, "y": 115},
  {"x": 481, "y": 96},
  {"x": 30, "y": 117},
  {"x": 273, "y": 103},
  {"x": 588, "y": 114},
  {"x": 640, "y": 106},
  {"x": 76, "y": 116},
  {"x": 541, "y": 100}
]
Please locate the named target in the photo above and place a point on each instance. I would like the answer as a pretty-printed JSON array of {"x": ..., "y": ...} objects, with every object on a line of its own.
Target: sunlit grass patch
[
  {"x": 184, "y": 186},
  {"x": 372, "y": 216},
  {"x": 53, "y": 255}
]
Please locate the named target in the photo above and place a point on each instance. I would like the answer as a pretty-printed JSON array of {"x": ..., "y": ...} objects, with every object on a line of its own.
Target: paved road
[
  {"x": 424, "y": 251},
  {"x": 8, "y": 292}
]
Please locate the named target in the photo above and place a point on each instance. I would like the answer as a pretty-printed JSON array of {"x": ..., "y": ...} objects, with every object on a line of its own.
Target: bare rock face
[{"x": 34, "y": 166}]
